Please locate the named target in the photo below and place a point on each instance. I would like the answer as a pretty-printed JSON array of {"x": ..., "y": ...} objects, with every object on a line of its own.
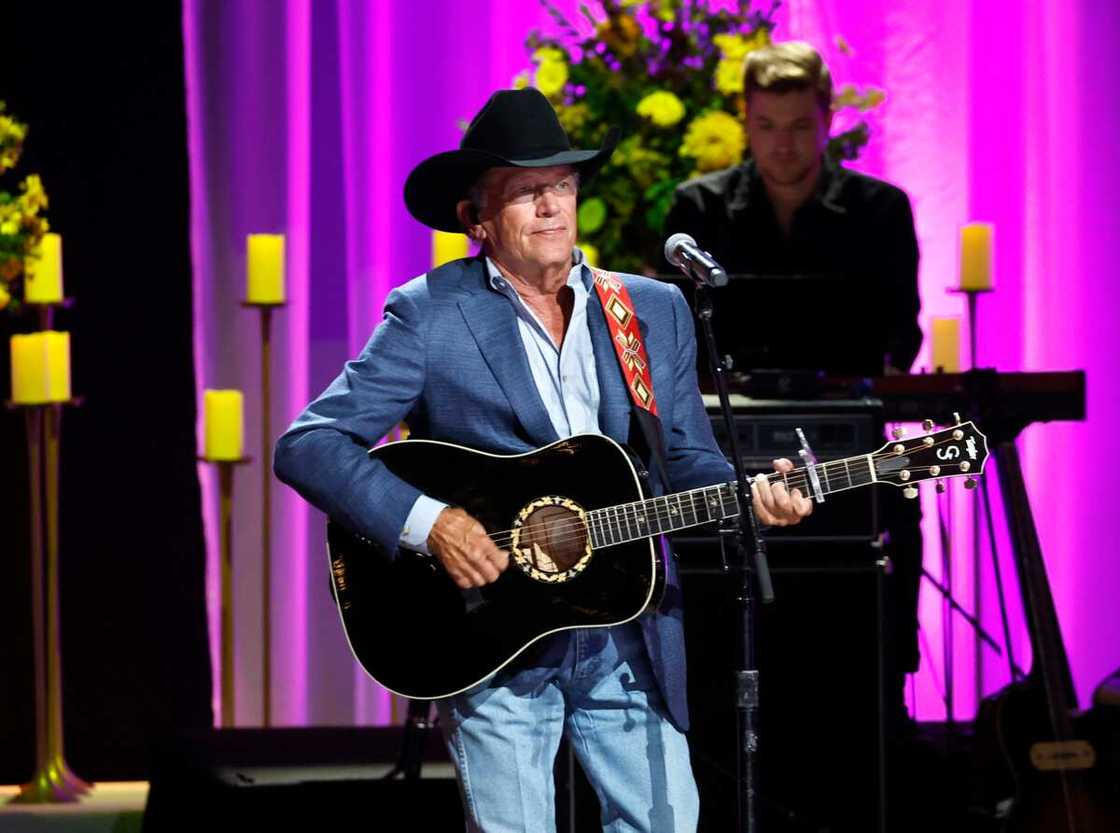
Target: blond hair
[{"x": 791, "y": 65}]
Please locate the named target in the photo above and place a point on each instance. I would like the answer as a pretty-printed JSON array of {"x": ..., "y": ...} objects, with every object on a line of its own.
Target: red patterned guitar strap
[{"x": 622, "y": 322}]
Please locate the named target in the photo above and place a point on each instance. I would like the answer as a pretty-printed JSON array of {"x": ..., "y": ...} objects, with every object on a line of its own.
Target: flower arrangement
[
  {"x": 22, "y": 224},
  {"x": 670, "y": 74}
]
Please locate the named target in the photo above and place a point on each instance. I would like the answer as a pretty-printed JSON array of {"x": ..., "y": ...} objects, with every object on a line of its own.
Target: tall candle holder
[
  {"x": 53, "y": 781},
  {"x": 44, "y": 310},
  {"x": 225, "y": 492},
  {"x": 972, "y": 294},
  {"x": 266, "y": 308}
]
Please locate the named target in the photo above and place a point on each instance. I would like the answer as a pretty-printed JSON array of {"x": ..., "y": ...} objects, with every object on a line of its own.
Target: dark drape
[{"x": 102, "y": 88}]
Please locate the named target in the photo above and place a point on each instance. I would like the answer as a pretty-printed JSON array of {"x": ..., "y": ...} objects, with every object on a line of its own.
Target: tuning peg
[
  {"x": 956, "y": 418},
  {"x": 898, "y": 432},
  {"x": 940, "y": 488},
  {"x": 910, "y": 492},
  {"x": 927, "y": 425},
  {"x": 970, "y": 483}
]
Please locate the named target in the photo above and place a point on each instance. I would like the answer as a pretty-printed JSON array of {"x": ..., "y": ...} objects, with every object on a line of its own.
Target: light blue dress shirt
[{"x": 565, "y": 378}]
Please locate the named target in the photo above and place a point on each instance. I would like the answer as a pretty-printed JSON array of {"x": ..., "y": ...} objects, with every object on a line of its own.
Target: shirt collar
[{"x": 579, "y": 276}]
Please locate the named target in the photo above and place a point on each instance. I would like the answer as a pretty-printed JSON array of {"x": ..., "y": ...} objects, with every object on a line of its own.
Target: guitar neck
[{"x": 645, "y": 518}]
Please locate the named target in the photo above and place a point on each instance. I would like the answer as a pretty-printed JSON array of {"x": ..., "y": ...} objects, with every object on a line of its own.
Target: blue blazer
[{"x": 449, "y": 360}]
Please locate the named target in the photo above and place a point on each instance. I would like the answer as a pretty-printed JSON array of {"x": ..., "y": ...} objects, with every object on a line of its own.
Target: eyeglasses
[{"x": 528, "y": 192}]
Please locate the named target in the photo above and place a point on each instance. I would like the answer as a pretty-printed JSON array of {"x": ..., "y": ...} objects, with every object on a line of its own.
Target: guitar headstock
[{"x": 957, "y": 451}]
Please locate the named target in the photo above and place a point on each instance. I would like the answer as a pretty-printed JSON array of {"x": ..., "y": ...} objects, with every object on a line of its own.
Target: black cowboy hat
[{"x": 516, "y": 128}]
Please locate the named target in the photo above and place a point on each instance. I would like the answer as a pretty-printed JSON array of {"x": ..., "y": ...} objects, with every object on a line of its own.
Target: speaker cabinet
[{"x": 822, "y": 676}]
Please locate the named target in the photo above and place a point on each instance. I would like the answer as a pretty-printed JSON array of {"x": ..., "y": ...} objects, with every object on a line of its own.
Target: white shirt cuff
[{"x": 418, "y": 525}]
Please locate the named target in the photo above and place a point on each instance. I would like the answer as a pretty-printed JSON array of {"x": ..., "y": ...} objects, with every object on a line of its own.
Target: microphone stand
[
  {"x": 417, "y": 726},
  {"x": 751, "y": 567}
]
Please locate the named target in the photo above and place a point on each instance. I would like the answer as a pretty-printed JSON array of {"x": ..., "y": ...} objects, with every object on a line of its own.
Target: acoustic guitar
[{"x": 579, "y": 529}]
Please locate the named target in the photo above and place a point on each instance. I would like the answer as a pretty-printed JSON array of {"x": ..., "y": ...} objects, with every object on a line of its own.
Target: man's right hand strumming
[{"x": 468, "y": 554}]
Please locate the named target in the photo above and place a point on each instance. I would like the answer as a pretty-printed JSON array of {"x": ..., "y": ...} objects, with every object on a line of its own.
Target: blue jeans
[{"x": 595, "y": 687}]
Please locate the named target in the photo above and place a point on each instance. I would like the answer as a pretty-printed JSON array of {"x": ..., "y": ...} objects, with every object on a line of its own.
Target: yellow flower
[
  {"x": 12, "y": 134},
  {"x": 33, "y": 184},
  {"x": 664, "y": 11},
  {"x": 549, "y": 53},
  {"x": 847, "y": 96},
  {"x": 590, "y": 253},
  {"x": 735, "y": 47},
  {"x": 729, "y": 76},
  {"x": 872, "y": 98},
  {"x": 37, "y": 226},
  {"x": 574, "y": 117},
  {"x": 552, "y": 70},
  {"x": 662, "y": 108},
  {"x": 731, "y": 46},
  {"x": 521, "y": 81},
  {"x": 715, "y": 140},
  {"x": 550, "y": 77},
  {"x": 5, "y": 296},
  {"x": 12, "y": 130},
  {"x": 11, "y": 223},
  {"x": 33, "y": 197},
  {"x": 733, "y": 50},
  {"x": 759, "y": 38}
]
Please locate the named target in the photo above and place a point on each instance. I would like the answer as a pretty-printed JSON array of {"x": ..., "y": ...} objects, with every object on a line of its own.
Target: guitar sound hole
[{"x": 553, "y": 540}]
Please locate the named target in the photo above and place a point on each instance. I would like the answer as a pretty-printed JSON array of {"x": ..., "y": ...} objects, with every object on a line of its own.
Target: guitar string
[
  {"x": 622, "y": 528},
  {"x": 576, "y": 529},
  {"x": 798, "y": 476},
  {"x": 795, "y": 479},
  {"x": 577, "y": 526}
]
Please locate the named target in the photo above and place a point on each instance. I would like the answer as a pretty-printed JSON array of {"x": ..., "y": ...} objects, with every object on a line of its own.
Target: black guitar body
[
  {"x": 419, "y": 635},
  {"x": 1008, "y": 725}
]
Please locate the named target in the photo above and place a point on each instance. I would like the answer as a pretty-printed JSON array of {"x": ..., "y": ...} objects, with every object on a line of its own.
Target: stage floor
[{"x": 112, "y": 807}]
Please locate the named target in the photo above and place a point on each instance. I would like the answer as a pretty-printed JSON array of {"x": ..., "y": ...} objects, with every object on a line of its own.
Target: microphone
[{"x": 681, "y": 251}]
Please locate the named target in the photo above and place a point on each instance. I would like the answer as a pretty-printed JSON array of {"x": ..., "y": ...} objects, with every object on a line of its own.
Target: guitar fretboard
[{"x": 645, "y": 518}]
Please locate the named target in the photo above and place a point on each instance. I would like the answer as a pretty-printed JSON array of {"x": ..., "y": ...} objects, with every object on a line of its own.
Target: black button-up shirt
[{"x": 839, "y": 293}]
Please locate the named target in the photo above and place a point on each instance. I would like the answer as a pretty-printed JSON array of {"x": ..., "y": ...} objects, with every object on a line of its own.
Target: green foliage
[
  {"x": 22, "y": 224},
  {"x": 669, "y": 74}
]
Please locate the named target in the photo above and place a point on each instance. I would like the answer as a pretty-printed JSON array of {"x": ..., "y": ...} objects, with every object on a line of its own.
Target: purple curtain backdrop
[{"x": 306, "y": 118}]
